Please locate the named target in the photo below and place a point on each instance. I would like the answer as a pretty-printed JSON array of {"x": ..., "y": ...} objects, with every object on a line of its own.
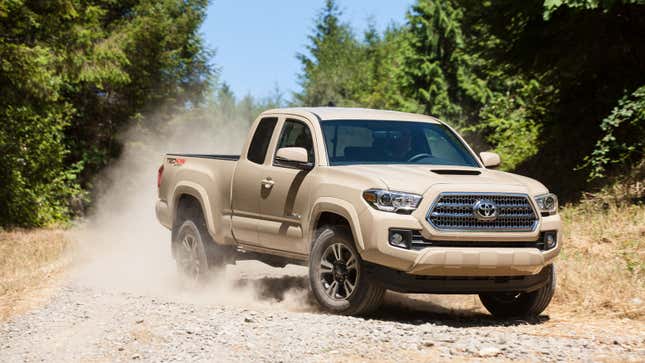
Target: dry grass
[
  {"x": 601, "y": 269},
  {"x": 29, "y": 261}
]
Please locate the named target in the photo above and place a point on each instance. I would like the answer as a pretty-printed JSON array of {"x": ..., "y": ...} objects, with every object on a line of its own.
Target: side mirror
[
  {"x": 293, "y": 157},
  {"x": 490, "y": 159}
]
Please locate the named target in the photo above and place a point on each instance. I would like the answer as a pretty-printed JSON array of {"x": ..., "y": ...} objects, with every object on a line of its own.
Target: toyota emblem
[{"x": 485, "y": 210}]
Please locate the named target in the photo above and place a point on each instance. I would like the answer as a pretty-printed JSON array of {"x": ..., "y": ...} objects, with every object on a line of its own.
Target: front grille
[{"x": 455, "y": 212}]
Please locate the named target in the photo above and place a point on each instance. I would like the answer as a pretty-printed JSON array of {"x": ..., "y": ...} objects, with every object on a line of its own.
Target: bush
[
  {"x": 509, "y": 121},
  {"x": 623, "y": 143}
]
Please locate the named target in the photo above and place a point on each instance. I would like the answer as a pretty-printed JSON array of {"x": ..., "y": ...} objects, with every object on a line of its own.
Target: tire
[
  {"x": 523, "y": 304},
  {"x": 334, "y": 264},
  {"x": 190, "y": 253}
]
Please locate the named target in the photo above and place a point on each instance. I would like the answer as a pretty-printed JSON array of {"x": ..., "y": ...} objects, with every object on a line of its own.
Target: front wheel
[
  {"x": 336, "y": 276},
  {"x": 521, "y": 304}
]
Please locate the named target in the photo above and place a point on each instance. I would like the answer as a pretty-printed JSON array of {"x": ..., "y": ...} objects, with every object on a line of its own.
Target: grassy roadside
[
  {"x": 30, "y": 260},
  {"x": 601, "y": 269}
]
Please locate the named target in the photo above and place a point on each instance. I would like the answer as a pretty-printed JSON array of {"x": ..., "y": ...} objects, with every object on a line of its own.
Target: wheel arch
[
  {"x": 192, "y": 194},
  {"x": 337, "y": 211}
]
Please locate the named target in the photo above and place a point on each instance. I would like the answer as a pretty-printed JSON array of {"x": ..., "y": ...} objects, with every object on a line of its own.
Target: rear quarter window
[{"x": 261, "y": 138}]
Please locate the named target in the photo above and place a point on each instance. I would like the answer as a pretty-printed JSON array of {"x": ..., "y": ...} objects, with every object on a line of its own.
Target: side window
[
  {"x": 261, "y": 139},
  {"x": 297, "y": 134}
]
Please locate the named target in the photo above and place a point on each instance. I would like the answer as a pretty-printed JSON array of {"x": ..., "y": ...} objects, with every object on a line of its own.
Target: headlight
[
  {"x": 388, "y": 201},
  {"x": 548, "y": 203}
]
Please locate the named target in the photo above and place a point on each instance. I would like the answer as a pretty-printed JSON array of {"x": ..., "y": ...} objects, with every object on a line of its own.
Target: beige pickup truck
[{"x": 370, "y": 201}]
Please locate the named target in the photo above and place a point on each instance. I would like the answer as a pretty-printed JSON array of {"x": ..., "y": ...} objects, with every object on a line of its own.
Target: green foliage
[
  {"x": 623, "y": 143},
  {"x": 550, "y": 6},
  {"x": 382, "y": 54},
  {"x": 436, "y": 74},
  {"x": 428, "y": 66},
  {"x": 72, "y": 74},
  {"x": 147, "y": 58},
  {"x": 332, "y": 70},
  {"x": 444, "y": 71},
  {"x": 582, "y": 74},
  {"x": 33, "y": 176},
  {"x": 510, "y": 123}
]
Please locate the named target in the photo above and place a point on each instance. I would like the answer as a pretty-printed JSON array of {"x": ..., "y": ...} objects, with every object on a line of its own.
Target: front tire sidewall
[{"x": 366, "y": 296}]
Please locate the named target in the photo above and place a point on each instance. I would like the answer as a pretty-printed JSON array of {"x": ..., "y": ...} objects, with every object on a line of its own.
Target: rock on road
[{"x": 269, "y": 317}]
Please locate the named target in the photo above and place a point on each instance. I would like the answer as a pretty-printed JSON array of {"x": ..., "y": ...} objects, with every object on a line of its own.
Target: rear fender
[{"x": 199, "y": 193}]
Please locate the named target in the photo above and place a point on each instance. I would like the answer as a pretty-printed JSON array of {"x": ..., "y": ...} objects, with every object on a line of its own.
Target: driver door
[{"x": 284, "y": 205}]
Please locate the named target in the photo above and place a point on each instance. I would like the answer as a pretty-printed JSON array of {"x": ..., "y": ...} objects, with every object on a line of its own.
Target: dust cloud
[{"x": 122, "y": 247}]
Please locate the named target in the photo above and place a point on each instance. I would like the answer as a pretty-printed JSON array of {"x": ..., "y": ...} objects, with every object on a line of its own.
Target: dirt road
[{"x": 259, "y": 313}]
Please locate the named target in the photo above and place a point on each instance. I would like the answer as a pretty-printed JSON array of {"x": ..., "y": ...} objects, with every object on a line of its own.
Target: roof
[{"x": 344, "y": 113}]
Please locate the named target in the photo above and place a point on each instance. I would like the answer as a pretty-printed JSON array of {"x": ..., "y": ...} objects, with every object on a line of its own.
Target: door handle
[{"x": 267, "y": 183}]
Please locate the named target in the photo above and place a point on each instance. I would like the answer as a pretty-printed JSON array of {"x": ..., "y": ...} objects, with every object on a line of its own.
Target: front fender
[{"x": 340, "y": 207}]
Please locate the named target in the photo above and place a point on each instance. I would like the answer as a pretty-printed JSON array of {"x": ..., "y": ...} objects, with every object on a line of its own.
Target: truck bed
[{"x": 213, "y": 173}]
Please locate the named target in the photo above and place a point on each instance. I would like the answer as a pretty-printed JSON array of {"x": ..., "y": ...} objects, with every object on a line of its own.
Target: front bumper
[
  {"x": 419, "y": 284},
  {"x": 447, "y": 260}
]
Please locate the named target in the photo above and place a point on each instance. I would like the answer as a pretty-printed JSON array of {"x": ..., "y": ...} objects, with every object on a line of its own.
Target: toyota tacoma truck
[{"x": 369, "y": 201}]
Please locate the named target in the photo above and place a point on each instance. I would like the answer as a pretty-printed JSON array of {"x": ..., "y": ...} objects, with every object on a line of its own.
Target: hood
[{"x": 418, "y": 178}]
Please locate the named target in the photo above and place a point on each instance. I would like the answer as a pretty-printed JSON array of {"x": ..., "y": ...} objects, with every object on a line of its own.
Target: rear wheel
[
  {"x": 521, "y": 304},
  {"x": 190, "y": 253},
  {"x": 336, "y": 275}
]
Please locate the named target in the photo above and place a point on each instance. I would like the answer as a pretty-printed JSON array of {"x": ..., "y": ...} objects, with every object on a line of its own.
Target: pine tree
[
  {"x": 436, "y": 75},
  {"x": 331, "y": 67}
]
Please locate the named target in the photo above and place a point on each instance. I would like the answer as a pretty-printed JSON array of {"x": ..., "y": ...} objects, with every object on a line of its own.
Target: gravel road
[{"x": 265, "y": 314}]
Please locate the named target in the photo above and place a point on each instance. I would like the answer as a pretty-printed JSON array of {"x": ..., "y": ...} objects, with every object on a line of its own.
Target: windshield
[{"x": 393, "y": 142}]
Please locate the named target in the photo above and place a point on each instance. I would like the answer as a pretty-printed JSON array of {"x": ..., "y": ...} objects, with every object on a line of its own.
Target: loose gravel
[{"x": 83, "y": 322}]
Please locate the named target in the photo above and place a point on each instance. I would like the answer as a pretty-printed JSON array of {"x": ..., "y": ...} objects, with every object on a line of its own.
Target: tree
[
  {"x": 585, "y": 57},
  {"x": 382, "y": 55},
  {"x": 162, "y": 66},
  {"x": 442, "y": 73},
  {"x": 436, "y": 74},
  {"x": 73, "y": 74},
  {"x": 331, "y": 70},
  {"x": 430, "y": 66}
]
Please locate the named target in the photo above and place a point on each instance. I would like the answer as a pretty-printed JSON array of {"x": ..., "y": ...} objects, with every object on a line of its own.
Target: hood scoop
[{"x": 456, "y": 172}]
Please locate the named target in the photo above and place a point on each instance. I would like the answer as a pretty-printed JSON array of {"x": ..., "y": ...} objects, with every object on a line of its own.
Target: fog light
[
  {"x": 397, "y": 238},
  {"x": 400, "y": 238},
  {"x": 550, "y": 240}
]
